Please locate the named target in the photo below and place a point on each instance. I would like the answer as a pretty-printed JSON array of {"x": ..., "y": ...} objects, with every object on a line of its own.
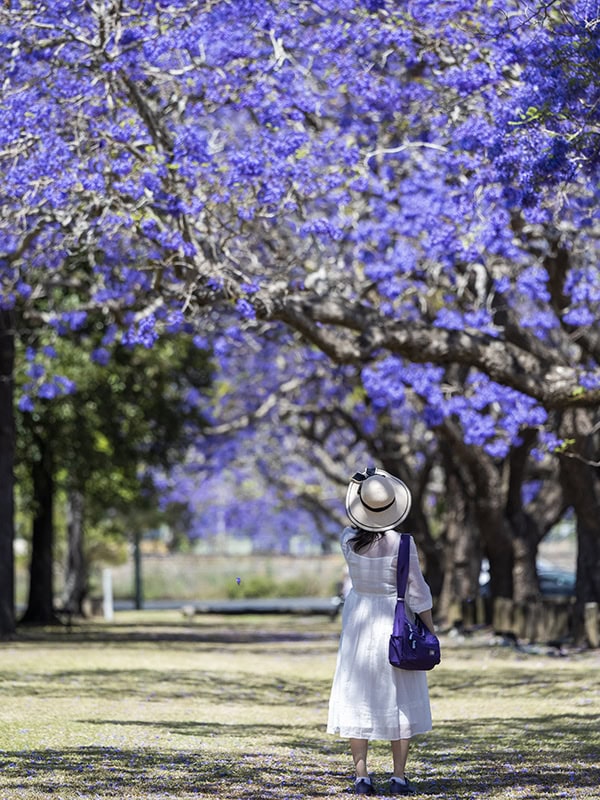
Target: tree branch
[{"x": 553, "y": 385}]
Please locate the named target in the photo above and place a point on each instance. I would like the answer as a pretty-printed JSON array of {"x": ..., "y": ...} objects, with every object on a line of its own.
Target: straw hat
[{"x": 376, "y": 500}]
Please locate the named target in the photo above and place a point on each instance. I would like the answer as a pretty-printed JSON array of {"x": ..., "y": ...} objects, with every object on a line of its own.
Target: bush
[{"x": 260, "y": 586}]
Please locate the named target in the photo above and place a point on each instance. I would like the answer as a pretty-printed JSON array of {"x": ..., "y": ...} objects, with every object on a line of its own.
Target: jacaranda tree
[{"x": 398, "y": 185}]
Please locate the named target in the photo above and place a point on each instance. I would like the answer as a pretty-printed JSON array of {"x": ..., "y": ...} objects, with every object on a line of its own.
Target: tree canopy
[
  {"x": 406, "y": 191},
  {"x": 419, "y": 180}
]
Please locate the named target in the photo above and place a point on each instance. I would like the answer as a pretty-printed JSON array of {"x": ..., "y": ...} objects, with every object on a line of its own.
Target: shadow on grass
[
  {"x": 226, "y": 633},
  {"x": 160, "y": 685},
  {"x": 130, "y": 773},
  {"x": 538, "y": 757},
  {"x": 525, "y": 680},
  {"x": 550, "y": 756}
]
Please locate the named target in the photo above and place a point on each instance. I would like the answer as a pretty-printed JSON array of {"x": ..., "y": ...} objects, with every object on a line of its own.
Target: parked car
[{"x": 554, "y": 581}]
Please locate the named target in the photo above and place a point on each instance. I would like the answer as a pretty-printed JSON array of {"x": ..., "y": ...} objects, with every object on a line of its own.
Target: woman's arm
[
  {"x": 427, "y": 618},
  {"x": 418, "y": 593}
]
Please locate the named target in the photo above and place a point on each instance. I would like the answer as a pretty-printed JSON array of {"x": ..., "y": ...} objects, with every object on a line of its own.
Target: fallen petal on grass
[{"x": 159, "y": 707}]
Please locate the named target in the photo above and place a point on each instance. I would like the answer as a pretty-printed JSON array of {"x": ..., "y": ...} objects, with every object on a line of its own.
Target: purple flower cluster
[{"x": 434, "y": 163}]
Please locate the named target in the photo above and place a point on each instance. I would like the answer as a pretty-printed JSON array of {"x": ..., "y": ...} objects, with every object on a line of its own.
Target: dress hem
[{"x": 375, "y": 737}]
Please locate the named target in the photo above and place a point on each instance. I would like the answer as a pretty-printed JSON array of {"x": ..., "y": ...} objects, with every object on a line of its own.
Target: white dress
[{"x": 370, "y": 699}]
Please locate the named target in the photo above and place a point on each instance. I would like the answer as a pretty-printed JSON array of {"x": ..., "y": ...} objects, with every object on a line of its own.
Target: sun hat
[{"x": 376, "y": 500}]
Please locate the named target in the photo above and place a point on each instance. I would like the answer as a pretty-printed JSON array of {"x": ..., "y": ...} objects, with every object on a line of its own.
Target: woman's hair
[{"x": 363, "y": 539}]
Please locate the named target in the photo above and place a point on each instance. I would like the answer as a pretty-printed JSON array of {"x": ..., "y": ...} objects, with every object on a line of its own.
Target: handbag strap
[{"x": 402, "y": 565}]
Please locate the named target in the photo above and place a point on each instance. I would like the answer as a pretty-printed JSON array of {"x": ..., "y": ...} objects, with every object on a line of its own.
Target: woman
[{"x": 370, "y": 699}]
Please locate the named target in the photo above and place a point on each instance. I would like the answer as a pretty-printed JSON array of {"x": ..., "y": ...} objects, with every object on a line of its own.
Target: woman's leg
[
  {"x": 400, "y": 754},
  {"x": 359, "y": 749}
]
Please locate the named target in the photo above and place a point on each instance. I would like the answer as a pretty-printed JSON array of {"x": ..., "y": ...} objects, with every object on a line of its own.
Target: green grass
[
  {"x": 191, "y": 576},
  {"x": 154, "y": 706},
  {"x": 202, "y": 577}
]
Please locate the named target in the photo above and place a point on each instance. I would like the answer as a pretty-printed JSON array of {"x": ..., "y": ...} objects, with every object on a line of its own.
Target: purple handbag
[{"x": 412, "y": 645}]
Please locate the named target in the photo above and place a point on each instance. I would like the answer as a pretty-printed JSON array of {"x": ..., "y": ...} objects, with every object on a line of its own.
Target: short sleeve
[
  {"x": 347, "y": 535},
  {"x": 418, "y": 593}
]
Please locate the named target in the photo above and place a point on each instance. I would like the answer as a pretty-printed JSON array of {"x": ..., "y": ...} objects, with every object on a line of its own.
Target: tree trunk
[
  {"x": 416, "y": 522},
  {"x": 429, "y": 549},
  {"x": 497, "y": 546},
  {"x": 526, "y": 587},
  {"x": 510, "y": 536},
  {"x": 526, "y": 535},
  {"x": 462, "y": 553},
  {"x": 7, "y": 457},
  {"x": 40, "y": 606},
  {"x": 483, "y": 485},
  {"x": 76, "y": 572},
  {"x": 582, "y": 491}
]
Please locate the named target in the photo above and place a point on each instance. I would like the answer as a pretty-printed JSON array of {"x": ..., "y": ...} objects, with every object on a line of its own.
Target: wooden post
[
  {"x": 534, "y": 618},
  {"x": 590, "y": 621},
  {"x": 519, "y": 620},
  {"x": 480, "y": 615},
  {"x": 559, "y": 620},
  {"x": 137, "y": 561},
  {"x": 107, "y": 595},
  {"x": 502, "y": 621}
]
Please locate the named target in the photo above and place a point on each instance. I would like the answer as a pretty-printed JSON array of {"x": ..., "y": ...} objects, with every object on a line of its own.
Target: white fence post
[{"x": 107, "y": 595}]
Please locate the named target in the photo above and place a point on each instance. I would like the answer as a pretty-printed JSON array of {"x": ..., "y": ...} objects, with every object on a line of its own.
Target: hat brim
[{"x": 370, "y": 520}]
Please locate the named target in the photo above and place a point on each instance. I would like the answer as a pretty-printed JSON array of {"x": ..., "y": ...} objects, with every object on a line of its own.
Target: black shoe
[
  {"x": 402, "y": 788},
  {"x": 363, "y": 786}
]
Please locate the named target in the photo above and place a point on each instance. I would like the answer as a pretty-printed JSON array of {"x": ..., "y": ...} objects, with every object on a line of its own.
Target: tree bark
[
  {"x": 76, "y": 588},
  {"x": 484, "y": 487},
  {"x": 462, "y": 551},
  {"x": 7, "y": 457},
  {"x": 497, "y": 545},
  {"x": 526, "y": 535},
  {"x": 40, "y": 606},
  {"x": 416, "y": 522},
  {"x": 582, "y": 491}
]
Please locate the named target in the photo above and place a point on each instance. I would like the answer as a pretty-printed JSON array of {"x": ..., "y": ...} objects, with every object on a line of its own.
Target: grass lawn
[{"x": 154, "y": 706}]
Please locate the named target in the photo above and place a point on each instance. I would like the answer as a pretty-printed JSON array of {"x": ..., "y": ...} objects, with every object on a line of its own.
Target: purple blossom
[
  {"x": 433, "y": 416},
  {"x": 479, "y": 428},
  {"x": 36, "y": 371},
  {"x": 245, "y": 309},
  {"x": 433, "y": 185},
  {"x": 580, "y": 316},
  {"x": 590, "y": 381},
  {"x": 201, "y": 342},
  {"x": 24, "y": 289},
  {"x": 175, "y": 322},
  {"x": 25, "y": 403},
  {"x": 498, "y": 448},
  {"x": 321, "y": 227},
  {"x": 7, "y": 301},
  {"x": 64, "y": 385},
  {"x": 101, "y": 356},
  {"x": 530, "y": 491},
  {"x": 48, "y": 390},
  {"x": 74, "y": 320},
  {"x": 550, "y": 441},
  {"x": 449, "y": 319},
  {"x": 110, "y": 335},
  {"x": 142, "y": 333}
]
